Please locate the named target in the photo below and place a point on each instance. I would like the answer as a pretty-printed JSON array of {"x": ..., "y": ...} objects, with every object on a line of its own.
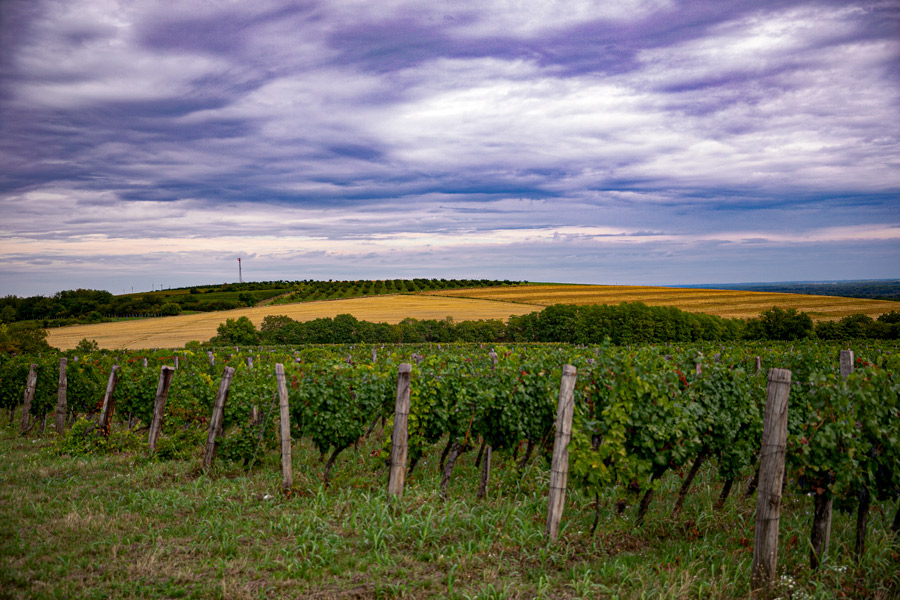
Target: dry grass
[
  {"x": 171, "y": 332},
  {"x": 722, "y": 303}
]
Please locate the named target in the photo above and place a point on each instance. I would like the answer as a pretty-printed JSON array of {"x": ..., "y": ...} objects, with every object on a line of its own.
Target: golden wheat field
[
  {"x": 722, "y": 303},
  {"x": 172, "y": 332}
]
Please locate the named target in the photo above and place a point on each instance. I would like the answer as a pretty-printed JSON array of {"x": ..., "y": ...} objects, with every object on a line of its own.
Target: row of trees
[
  {"x": 305, "y": 291},
  {"x": 626, "y": 323}
]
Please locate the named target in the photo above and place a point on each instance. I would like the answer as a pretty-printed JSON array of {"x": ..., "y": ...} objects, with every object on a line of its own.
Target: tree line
[{"x": 625, "y": 323}]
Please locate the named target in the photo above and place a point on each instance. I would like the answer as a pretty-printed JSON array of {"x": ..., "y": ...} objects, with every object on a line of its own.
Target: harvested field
[
  {"x": 171, "y": 332},
  {"x": 722, "y": 303}
]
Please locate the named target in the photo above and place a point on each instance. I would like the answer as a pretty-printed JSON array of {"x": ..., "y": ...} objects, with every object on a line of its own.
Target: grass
[
  {"x": 722, "y": 303},
  {"x": 123, "y": 526}
]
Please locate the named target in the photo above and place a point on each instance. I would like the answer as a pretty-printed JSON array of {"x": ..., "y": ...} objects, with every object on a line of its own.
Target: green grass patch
[{"x": 115, "y": 524}]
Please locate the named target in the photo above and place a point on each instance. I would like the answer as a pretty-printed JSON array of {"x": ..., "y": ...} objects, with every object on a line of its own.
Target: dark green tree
[
  {"x": 238, "y": 331},
  {"x": 780, "y": 324}
]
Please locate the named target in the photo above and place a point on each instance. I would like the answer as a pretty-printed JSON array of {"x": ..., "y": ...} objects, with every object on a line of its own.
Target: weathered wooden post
[
  {"x": 399, "y": 441},
  {"x": 485, "y": 472},
  {"x": 559, "y": 472},
  {"x": 285, "y": 428},
  {"x": 109, "y": 402},
  {"x": 30, "y": 384},
  {"x": 159, "y": 405},
  {"x": 847, "y": 365},
  {"x": 758, "y": 364},
  {"x": 218, "y": 415},
  {"x": 60, "y": 420},
  {"x": 771, "y": 478},
  {"x": 211, "y": 357}
]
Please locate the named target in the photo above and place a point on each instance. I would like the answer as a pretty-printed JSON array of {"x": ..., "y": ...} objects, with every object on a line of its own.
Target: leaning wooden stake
[
  {"x": 287, "y": 473},
  {"x": 109, "y": 402},
  {"x": 60, "y": 420},
  {"x": 559, "y": 472},
  {"x": 159, "y": 405},
  {"x": 30, "y": 384},
  {"x": 399, "y": 442},
  {"x": 771, "y": 478},
  {"x": 218, "y": 415}
]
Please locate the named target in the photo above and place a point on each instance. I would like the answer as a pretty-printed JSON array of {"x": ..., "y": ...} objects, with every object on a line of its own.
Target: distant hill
[{"x": 874, "y": 289}]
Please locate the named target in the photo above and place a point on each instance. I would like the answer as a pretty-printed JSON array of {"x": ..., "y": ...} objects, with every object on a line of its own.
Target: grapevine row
[{"x": 640, "y": 412}]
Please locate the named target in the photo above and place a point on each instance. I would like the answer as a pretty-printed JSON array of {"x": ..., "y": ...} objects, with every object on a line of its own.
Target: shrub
[
  {"x": 86, "y": 345},
  {"x": 170, "y": 309}
]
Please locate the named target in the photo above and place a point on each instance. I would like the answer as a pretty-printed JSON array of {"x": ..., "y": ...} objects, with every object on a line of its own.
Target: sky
[{"x": 147, "y": 144}]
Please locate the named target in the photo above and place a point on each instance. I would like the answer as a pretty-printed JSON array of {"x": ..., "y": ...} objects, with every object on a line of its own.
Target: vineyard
[{"x": 646, "y": 420}]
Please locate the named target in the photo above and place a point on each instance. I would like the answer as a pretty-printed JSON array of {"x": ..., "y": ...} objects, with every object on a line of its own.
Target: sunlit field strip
[
  {"x": 723, "y": 303},
  {"x": 172, "y": 332}
]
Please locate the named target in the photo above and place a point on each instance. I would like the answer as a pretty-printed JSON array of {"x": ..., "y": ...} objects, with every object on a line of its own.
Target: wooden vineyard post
[
  {"x": 159, "y": 405},
  {"x": 218, "y": 415},
  {"x": 109, "y": 403},
  {"x": 60, "y": 420},
  {"x": 559, "y": 472},
  {"x": 485, "y": 473},
  {"x": 846, "y": 363},
  {"x": 30, "y": 384},
  {"x": 399, "y": 442},
  {"x": 771, "y": 478},
  {"x": 285, "y": 428}
]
